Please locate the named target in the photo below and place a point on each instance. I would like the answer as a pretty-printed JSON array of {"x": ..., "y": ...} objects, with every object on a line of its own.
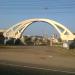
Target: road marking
[{"x": 15, "y": 65}]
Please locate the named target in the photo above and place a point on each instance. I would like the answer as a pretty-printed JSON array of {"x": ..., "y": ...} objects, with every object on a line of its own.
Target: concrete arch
[{"x": 16, "y": 30}]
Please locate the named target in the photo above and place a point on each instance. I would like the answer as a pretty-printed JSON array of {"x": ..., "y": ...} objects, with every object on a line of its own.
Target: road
[{"x": 40, "y": 57}]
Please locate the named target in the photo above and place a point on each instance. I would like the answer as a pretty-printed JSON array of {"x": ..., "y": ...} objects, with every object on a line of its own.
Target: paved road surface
[{"x": 40, "y": 57}]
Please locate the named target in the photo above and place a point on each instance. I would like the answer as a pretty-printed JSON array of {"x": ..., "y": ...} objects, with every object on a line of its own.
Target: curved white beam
[{"x": 17, "y": 30}]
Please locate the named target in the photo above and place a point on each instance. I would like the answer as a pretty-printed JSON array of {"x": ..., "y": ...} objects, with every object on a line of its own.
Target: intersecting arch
[{"x": 16, "y": 30}]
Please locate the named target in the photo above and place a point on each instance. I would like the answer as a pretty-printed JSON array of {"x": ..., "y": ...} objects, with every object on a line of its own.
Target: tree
[{"x": 28, "y": 41}]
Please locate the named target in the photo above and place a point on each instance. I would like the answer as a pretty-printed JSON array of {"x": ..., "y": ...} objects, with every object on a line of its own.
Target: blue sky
[{"x": 14, "y": 11}]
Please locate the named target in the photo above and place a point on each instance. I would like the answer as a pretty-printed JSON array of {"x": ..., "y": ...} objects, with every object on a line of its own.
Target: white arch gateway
[{"x": 16, "y": 30}]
